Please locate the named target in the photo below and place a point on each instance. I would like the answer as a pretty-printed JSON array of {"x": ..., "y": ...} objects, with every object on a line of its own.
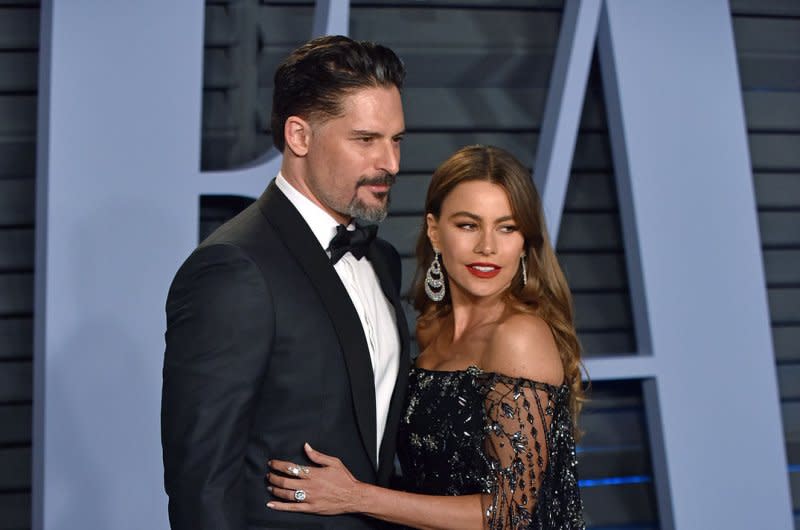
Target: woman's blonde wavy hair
[{"x": 546, "y": 293}]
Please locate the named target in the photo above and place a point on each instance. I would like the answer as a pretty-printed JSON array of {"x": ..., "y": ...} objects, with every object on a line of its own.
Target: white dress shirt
[{"x": 374, "y": 310}]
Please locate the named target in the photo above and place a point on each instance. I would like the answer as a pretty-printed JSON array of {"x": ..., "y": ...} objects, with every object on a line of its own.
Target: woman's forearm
[
  {"x": 330, "y": 489},
  {"x": 425, "y": 512}
]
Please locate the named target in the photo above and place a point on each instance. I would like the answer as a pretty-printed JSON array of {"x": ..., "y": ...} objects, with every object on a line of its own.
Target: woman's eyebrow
[{"x": 479, "y": 218}]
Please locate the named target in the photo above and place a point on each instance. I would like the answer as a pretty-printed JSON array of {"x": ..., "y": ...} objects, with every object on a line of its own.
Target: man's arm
[{"x": 219, "y": 331}]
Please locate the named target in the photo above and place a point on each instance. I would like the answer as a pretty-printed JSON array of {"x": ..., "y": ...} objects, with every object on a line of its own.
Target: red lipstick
[{"x": 483, "y": 270}]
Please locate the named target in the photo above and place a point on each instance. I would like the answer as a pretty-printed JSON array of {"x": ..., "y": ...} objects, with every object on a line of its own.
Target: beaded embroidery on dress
[{"x": 469, "y": 431}]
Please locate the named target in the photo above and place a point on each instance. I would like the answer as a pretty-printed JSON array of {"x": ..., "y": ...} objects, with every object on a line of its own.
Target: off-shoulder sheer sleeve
[{"x": 530, "y": 448}]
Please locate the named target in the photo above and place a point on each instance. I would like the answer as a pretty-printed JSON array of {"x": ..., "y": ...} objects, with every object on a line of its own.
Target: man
[{"x": 285, "y": 325}]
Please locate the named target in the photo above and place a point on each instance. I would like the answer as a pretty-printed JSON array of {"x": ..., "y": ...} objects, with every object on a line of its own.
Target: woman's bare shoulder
[{"x": 522, "y": 345}]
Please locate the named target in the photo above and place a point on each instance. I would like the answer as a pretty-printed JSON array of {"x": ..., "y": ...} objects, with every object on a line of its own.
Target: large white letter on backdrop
[
  {"x": 687, "y": 203},
  {"x": 117, "y": 211}
]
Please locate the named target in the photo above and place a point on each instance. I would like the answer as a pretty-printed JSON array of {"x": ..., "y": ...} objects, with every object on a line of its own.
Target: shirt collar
[{"x": 322, "y": 225}]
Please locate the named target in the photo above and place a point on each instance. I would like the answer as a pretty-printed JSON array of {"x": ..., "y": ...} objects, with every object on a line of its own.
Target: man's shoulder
[
  {"x": 246, "y": 227},
  {"x": 387, "y": 249},
  {"x": 241, "y": 242},
  {"x": 391, "y": 257}
]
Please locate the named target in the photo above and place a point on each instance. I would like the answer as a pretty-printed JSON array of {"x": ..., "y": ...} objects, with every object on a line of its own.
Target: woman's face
[{"x": 478, "y": 239}]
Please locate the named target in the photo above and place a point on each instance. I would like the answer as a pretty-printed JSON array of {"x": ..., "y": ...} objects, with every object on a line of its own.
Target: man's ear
[
  {"x": 433, "y": 230},
  {"x": 297, "y": 133}
]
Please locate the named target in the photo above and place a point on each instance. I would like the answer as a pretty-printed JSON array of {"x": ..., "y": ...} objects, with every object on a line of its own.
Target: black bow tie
[{"x": 354, "y": 241}]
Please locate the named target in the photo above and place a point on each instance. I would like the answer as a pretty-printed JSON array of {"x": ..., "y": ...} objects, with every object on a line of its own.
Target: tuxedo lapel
[
  {"x": 390, "y": 287},
  {"x": 300, "y": 241}
]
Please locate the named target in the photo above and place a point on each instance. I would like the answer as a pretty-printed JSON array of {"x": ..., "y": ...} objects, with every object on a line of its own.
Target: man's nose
[{"x": 390, "y": 157}]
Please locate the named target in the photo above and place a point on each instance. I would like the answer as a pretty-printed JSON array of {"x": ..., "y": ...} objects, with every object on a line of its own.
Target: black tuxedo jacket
[{"x": 265, "y": 351}]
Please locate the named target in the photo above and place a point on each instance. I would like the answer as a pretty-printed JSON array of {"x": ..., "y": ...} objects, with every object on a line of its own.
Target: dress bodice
[{"x": 511, "y": 439}]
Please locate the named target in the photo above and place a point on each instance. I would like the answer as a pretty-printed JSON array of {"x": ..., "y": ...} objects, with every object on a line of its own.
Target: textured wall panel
[
  {"x": 16, "y": 201},
  {"x": 19, "y": 41},
  {"x": 16, "y": 510}
]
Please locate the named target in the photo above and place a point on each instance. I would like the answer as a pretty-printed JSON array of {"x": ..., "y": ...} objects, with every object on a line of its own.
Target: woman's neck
[{"x": 470, "y": 314}]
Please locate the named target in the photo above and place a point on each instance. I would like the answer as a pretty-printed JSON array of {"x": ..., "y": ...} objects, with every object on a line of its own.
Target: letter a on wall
[{"x": 688, "y": 211}]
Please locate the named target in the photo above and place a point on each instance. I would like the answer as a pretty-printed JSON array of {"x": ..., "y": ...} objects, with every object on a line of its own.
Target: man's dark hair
[{"x": 311, "y": 82}]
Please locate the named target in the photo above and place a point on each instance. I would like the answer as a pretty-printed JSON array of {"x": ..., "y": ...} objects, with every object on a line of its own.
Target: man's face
[{"x": 353, "y": 158}]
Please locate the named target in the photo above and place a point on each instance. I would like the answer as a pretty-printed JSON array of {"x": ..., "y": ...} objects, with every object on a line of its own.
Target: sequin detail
[{"x": 469, "y": 431}]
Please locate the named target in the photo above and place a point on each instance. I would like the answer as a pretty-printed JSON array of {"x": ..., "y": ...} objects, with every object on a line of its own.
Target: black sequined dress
[{"x": 468, "y": 431}]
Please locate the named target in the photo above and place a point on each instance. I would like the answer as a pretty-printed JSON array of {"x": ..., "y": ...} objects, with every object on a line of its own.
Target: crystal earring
[
  {"x": 524, "y": 270},
  {"x": 434, "y": 280}
]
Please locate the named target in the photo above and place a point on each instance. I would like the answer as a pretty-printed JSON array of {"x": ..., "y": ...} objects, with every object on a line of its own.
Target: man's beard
[{"x": 374, "y": 214}]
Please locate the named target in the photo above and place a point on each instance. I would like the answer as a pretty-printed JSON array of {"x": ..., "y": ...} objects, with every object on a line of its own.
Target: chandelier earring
[
  {"x": 434, "y": 279},
  {"x": 524, "y": 270}
]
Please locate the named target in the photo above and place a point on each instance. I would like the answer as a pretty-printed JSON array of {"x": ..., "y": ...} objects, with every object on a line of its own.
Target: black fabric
[
  {"x": 265, "y": 351},
  {"x": 468, "y": 431},
  {"x": 354, "y": 241}
]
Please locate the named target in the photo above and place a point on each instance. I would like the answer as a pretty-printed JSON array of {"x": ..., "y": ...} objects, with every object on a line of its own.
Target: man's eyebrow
[
  {"x": 364, "y": 132},
  {"x": 373, "y": 134}
]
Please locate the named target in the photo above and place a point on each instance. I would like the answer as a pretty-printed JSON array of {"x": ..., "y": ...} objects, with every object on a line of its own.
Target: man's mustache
[{"x": 387, "y": 179}]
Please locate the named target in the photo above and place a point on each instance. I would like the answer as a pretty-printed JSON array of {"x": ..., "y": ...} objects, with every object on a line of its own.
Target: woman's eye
[
  {"x": 466, "y": 226},
  {"x": 508, "y": 229}
]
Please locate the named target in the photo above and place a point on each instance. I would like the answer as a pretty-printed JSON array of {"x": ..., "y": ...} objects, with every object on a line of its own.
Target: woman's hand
[{"x": 329, "y": 489}]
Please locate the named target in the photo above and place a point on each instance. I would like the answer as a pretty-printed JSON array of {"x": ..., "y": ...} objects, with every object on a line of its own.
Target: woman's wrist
[{"x": 360, "y": 498}]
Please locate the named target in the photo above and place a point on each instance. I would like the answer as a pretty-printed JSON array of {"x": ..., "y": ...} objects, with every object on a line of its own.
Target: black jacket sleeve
[{"x": 219, "y": 331}]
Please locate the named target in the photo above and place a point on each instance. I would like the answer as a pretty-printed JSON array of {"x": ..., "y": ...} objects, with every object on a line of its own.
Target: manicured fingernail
[
  {"x": 270, "y": 505},
  {"x": 269, "y": 489},
  {"x": 308, "y": 446}
]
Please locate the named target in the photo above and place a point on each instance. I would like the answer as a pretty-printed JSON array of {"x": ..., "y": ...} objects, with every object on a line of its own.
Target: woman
[{"x": 486, "y": 440}]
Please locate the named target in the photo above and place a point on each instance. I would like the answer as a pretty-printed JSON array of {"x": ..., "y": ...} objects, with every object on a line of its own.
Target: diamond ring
[{"x": 299, "y": 495}]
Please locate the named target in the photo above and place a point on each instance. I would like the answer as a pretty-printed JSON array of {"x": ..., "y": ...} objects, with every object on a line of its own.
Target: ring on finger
[
  {"x": 294, "y": 470},
  {"x": 305, "y": 470},
  {"x": 299, "y": 495}
]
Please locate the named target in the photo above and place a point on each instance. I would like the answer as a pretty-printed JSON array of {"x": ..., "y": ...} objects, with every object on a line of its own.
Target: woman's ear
[
  {"x": 297, "y": 133},
  {"x": 433, "y": 230}
]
